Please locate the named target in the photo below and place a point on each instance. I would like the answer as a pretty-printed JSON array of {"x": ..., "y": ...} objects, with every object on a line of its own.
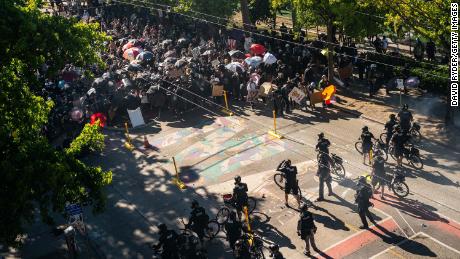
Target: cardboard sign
[
  {"x": 316, "y": 97},
  {"x": 297, "y": 95},
  {"x": 217, "y": 90},
  {"x": 266, "y": 89},
  {"x": 135, "y": 116}
]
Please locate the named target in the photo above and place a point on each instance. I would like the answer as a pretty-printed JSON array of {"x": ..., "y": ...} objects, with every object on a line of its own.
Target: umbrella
[
  {"x": 207, "y": 53},
  {"x": 98, "y": 116},
  {"x": 253, "y": 61},
  {"x": 98, "y": 82},
  {"x": 91, "y": 91},
  {"x": 412, "y": 82},
  {"x": 257, "y": 49},
  {"x": 170, "y": 54},
  {"x": 128, "y": 45},
  {"x": 269, "y": 58},
  {"x": 166, "y": 42},
  {"x": 145, "y": 56},
  {"x": 236, "y": 54},
  {"x": 180, "y": 63},
  {"x": 131, "y": 54},
  {"x": 235, "y": 67},
  {"x": 76, "y": 114},
  {"x": 182, "y": 40}
]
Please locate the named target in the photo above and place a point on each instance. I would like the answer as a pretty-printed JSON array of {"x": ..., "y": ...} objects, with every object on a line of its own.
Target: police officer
[
  {"x": 233, "y": 229},
  {"x": 168, "y": 240},
  {"x": 324, "y": 173},
  {"x": 291, "y": 183},
  {"x": 306, "y": 229},
  {"x": 389, "y": 128},
  {"x": 323, "y": 144},
  {"x": 241, "y": 250},
  {"x": 405, "y": 118},
  {"x": 198, "y": 220},
  {"x": 378, "y": 174},
  {"x": 363, "y": 194},
  {"x": 240, "y": 195},
  {"x": 366, "y": 137},
  {"x": 398, "y": 140}
]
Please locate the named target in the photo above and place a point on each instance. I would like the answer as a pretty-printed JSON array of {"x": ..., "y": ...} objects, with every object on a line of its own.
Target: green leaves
[{"x": 89, "y": 140}]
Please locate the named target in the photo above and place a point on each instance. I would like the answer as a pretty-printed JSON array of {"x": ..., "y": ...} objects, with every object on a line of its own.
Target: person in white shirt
[{"x": 247, "y": 42}]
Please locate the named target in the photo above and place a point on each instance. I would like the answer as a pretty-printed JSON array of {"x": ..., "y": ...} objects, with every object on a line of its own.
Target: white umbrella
[
  {"x": 235, "y": 67},
  {"x": 269, "y": 58},
  {"x": 253, "y": 61}
]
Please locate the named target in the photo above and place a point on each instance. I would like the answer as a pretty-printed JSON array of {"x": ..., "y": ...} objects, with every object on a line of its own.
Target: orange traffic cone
[{"x": 146, "y": 142}]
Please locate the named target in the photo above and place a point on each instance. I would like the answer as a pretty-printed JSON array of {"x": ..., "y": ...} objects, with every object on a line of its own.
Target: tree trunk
[
  {"x": 294, "y": 17},
  {"x": 245, "y": 14},
  {"x": 330, "y": 49}
]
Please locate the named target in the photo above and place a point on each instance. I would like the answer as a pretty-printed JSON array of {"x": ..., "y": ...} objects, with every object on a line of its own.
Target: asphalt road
[{"x": 211, "y": 150}]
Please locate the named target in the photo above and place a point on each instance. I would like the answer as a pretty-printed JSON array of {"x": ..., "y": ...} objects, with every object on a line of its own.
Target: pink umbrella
[
  {"x": 128, "y": 45},
  {"x": 76, "y": 114},
  {"x": 131, "y": 54}
]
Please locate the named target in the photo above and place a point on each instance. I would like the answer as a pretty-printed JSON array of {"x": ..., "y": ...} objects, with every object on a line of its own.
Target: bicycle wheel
[
  {"x": 222, "y": 215},
  {"x": 400, "y": 189},
  {"x": 339, "y": 170},
  {"x": 359, "y": 147},
  {"x": 416, "y": 162},
  {"x": 279, "y": 180},
  {"x": 257, "y": 253},
  {"x": 391, "y": 152},
  {"x": 383, "y": 137},
  {"x": 213, "y": 229},
  {"x": 251, "y": 204}
]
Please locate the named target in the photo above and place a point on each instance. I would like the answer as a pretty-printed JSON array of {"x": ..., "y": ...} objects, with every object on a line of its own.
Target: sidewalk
[{"x": 428, "y": 111}]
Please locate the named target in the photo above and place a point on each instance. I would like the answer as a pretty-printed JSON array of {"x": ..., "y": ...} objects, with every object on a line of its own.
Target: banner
[
  {"x": 135, "y": 116},
  {"x": 297, "y": 95}
]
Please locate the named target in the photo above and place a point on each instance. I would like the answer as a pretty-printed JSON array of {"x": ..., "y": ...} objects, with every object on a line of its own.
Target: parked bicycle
[
  {"x": 414, "y": 134},
  {"x": 336, "y": 164},
  {"x": 255, "y": 244},
  {"x": 211, "y": 231},
  {"x": 229, "y": 204},
  {"x": 378, "y": 147}
]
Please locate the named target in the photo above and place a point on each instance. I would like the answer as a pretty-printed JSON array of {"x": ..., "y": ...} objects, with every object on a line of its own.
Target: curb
[
  {"x": 123, "y": 129},
  {"x": 357, "y": 114}
]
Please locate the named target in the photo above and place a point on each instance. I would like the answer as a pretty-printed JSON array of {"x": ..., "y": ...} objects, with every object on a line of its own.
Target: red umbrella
[
  {"x": 98, "y": 116},
  {"x": 257, "y": 49},
  {"x": 128, "y": 45}
]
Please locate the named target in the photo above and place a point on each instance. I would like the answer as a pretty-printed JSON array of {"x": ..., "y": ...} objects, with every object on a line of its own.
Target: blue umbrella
[
  {"x": 253, "y": 61},
  {"x": 145, "y": 56}
]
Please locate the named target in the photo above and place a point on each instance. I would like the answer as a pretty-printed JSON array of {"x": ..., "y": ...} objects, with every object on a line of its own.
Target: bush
[
  {"x": 90, "y": 140},
  {"x": 433, "y": 80}
]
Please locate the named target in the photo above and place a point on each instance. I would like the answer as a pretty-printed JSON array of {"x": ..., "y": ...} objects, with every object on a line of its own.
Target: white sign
[
  {"x": 297, "y": 95},
  {"x": 136, "y": 117},
  {"x": 400, "y": 84}
]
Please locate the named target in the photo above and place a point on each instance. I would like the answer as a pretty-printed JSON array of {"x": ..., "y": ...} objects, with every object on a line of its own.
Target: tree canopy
[{"x": 34, "y": 174}]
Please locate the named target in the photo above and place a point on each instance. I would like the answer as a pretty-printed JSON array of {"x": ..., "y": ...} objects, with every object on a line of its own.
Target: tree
[
  {"x": 220, "y": 8},
  {"x": 34, "y": 174},
  {"x": 260, "y": 10}
]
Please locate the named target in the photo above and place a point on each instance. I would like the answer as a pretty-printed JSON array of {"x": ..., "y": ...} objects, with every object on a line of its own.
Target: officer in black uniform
[
  {"x": 291, "y": 183},
  {"x": 306, "y": 229},
  {"x": 275, "y": 252},
  {"x": 168, "y": 240},
  {"x": 324, "y": 173},
  {"x": 389, "y": 128},
  {"x": 233, "y": 228},
  {"x": 323, "y": 144},
  {"x": 363, "y": 194},
  {"x": 241, "y": 250},
  {"x": 405, "y": 118},
  {"x": 398, "y": 140},
  {"x": 378, "y": 174},
  {"x": 240, "y": 195},
  {"x": 366, "y": 137},
  {"x": 198, "y": 221}
]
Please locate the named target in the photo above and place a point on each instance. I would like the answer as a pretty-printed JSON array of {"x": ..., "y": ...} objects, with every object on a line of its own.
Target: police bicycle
[
  {"x": 230, "y": 204},
  {"x": 378, "y": 147},
  {"x": 335, "y": 162},
  {"x": 210, "y": 232},
  {"x": 397, "y": 184}
]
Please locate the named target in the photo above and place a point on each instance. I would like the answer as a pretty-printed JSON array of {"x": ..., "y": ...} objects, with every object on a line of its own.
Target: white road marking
[
  {"x": 393, "y": 246},
  {"x": 399, "y": 212},
  {"x": 441, "y": 243}
]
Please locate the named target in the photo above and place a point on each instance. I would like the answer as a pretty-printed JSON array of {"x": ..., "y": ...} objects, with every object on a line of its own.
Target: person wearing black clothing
[
  {"x": 240, "y": 195},
  {"x": 306, "y": 229},
  {"x": 168, "y": 240},
  {"x": 378, "y": 174},
  {"x": 389, "y": 128},
  {"x": 285, "y": 90},
  {"x": 398, "y": 140},
  {"x": 323, "y": 144},
  {"x": 405, "y": 118},
  {"x": 241, "y": 250},
  {"x": 198, "y": 220},
  {"x": 233, "y": 229},
  {"x": 363, "y": 194},
  {"x": 275, "y": 252},
  {"x": 430, "y": 50},
  {"x": 291, "y": 184},
  {"x": 324, "y": 173},
  {"x": 366, "y": 137}
]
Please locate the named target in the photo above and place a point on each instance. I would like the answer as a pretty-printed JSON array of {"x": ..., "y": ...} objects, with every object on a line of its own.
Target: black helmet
[
  {"x": 237, "y": 179},
  {"x": 195, "y": 204},
  {"x": 321, "y": 135},
  {"x": 392, "y": 116},
  {"x": 304, "y": 207},
  {"x": 362, "y": 180},
  {"x": 365, "y": 128},
  {"x": 405, "y": 107},
  {"x": 162, "y": 228},
  {"x": 274, "y": 247},
  {"x": 288, "y": 162}
]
